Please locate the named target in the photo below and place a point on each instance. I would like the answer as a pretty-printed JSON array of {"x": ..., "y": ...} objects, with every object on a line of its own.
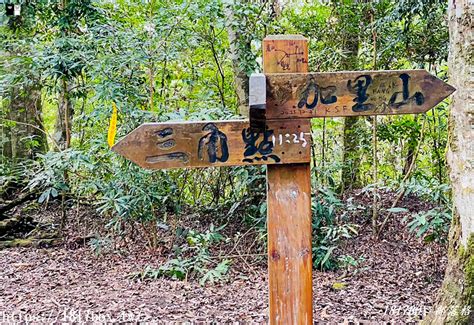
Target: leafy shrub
[
  {"x": 13, "y": 175},
  {"x": 430, "y": 190},
  {"x": 327, "y": 229},
  {"x": 193, "y": 260},
  {"x": 49, "y": 174},
  {"x": 351, "y": 264},
  {"x": 432, "y": 225}
]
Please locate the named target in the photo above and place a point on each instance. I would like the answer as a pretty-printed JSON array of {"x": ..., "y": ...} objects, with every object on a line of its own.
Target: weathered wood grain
[
  {"x": 289, "y": 208},
  {"x": 285, "y": 54},
  {"x": 306, "y": 95},
  {"x": 215, "y": 143}
]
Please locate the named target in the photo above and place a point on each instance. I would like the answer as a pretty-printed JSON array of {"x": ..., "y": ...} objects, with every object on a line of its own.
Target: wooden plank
[
  {"x": 306, "y": 95},
  {"x": 215, "y": 143},
  {"x": 289, "y": 208},
  {"x": 289, "y": 244}
]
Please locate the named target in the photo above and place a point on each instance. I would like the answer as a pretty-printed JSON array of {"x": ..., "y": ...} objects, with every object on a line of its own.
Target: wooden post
[{"x": 289, "y": 206}]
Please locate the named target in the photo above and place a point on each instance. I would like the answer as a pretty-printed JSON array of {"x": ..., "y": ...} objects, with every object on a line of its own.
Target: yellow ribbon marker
[{"x": 112, "y": 127}]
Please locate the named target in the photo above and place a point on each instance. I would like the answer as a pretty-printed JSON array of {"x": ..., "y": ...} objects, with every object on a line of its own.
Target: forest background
[{"x": 70, "y": 68}]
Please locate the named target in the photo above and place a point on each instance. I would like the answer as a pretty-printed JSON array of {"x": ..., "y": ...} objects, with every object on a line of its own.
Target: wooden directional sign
[
  {"x": 216, "y": 143},
  {"x": 306, "y": 95},
  {"x": 281, "y": 103}
]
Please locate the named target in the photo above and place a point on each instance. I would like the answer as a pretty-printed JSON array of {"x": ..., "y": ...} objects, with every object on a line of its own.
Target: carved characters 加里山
[
  {"x": 359, "y": 87},
  {"x": 418, "y": 97},
  {"x": 325, "y": 94}
]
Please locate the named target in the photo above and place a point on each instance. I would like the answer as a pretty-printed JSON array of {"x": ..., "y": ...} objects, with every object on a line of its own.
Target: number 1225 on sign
[{"x": 291, "y": 138}]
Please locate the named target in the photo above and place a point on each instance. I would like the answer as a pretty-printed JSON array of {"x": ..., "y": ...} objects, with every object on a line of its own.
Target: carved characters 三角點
[
  {"x": 253, "y": 146},
  {"x": 215, "y": 141},
  {"x": 166, "y": 142}
]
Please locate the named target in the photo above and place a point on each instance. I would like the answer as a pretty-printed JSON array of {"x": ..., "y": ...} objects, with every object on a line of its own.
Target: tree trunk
[
  {"x": 25, "y": 137},
  {"x": 409, "y": 160},
  {"x": 63, "y": 125},
  {"x": 238, "y": 47},
  {"x": 22, "y": 134},
  {"x": 5, "y": 131},
  {"x": 351, "y": 152},
  {"x": 455, "y": 303}
]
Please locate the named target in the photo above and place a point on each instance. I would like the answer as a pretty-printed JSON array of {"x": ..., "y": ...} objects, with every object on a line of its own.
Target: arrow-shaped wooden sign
[
  {"x": 281, "y": 105},
  {"x": 306, "y": 95},
  {"x": 216, "y": 143}
]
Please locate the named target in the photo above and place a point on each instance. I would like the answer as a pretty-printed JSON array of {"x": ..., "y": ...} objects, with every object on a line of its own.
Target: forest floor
[{"x": 395, "y": 282}]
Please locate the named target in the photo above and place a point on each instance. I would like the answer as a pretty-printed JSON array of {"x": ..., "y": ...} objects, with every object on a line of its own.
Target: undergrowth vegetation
[{"x": 160, "y": 61}]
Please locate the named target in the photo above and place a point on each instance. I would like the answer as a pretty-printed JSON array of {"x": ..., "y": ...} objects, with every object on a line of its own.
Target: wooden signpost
[
  {"x": 282, "y": 102},
  {"x": 307, "y": 95},
  {"x": 216, "y": 143},
  {"x": 290, "y": 289}
]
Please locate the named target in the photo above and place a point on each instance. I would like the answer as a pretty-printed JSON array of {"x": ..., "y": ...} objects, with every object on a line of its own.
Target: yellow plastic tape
[{"x": 112, "y": 127}]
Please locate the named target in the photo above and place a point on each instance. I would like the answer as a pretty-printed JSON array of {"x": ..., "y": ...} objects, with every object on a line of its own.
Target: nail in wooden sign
[
  {"x": 306, "y": 95},
  {"x": 215, "y": 143}
]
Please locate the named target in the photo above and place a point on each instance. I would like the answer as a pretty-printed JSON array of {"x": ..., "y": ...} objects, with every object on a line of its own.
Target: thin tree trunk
[
  {"x": 24, "y": 139},
  {"x": 375, "y": 209},
  {"x": 408, "y": 160},
  {"x": 237, "y": 49},
  {"x": 63, "y": 125},
  {"x": 351, "y": 153},
  {"x": 5, "y": 132},
  {"x": 455, "y": 303},
  {"x": 412, "y": 145}
]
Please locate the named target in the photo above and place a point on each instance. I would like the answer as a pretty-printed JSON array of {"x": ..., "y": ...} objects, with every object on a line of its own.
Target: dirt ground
[{"x": 395, "y": 283}]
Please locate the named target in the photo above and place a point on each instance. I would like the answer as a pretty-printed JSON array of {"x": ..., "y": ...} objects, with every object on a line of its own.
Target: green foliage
[
  {"x": 12, "y": 175},
  {"x": 49, "y": 173},
  {"x": 423, "y": 35},
  {"x": 351, "y": 264},
  {"x": 249, "y": 34},
  {"x": 328, "y": 229},
  {"x": 193, "y": 260},
  {"x": 432, "y": 225},
  {"x": 160, "y": 61},
  {"x": 429, "y": 190}
]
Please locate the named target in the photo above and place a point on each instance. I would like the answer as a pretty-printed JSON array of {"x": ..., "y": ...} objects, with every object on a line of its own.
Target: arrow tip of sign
[
  {"x": 122, "y": 146},
  {"x": 446, "y": 88},
  {"x": 449, "y": 89},
  {"x": 439, "y": 89},
  {"x": 117, "y": 148}
]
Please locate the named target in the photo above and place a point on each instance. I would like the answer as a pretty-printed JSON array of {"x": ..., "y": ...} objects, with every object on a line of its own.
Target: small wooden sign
[
  {"x": 215, "y": 143},
  {"x": 285, "y": 54},
  {"x": 306, "y": 95}
]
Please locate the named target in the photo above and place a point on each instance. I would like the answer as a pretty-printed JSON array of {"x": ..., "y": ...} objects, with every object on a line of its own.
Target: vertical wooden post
[{"x": 289, "y": 207}]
